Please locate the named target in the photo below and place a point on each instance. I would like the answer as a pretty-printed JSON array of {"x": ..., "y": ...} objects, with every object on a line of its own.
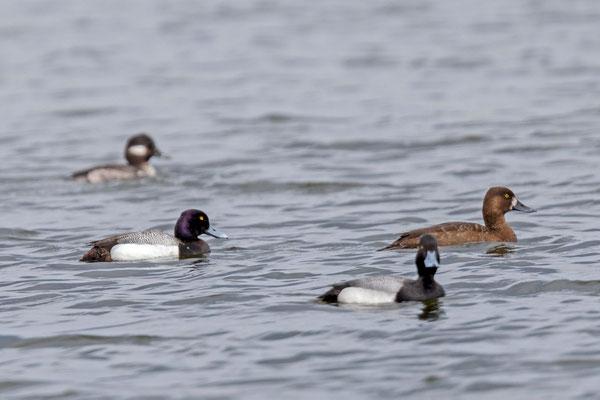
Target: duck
[
  {"x": 380, "y": 289},
  {"x": 138, "y": 151},
  {"x": 497, "y": 201},
  {"x": 145, "y": 245}
]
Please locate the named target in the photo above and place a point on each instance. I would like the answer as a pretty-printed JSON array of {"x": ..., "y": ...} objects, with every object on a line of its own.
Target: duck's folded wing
[
  {"x": 445, "y": 227},
  {"x": 103, "y": 173},
  {"x": 383, "y": 283},
  {"x": 144, "y": 237},
  {"x": 149, "y": 237},
  {"x": 97, "y": 167},
  {"x": 449, "y": 229},
  {"x": 109, "y": 241}
]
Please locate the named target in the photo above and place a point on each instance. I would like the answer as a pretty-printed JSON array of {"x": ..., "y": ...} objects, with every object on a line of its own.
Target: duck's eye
[
  {"x": 201, "y": 218},
  {"x": 422, "y": 247},
  {"x": 507, "y": 196}
]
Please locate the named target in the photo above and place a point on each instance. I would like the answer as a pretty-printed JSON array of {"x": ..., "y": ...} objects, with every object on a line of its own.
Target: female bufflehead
[
  {"x": 389, "y": 288},
  {"x": 138, "y": 151},
  {"x": 497, "y": 202},
  {"x": 146, "y": 245}
]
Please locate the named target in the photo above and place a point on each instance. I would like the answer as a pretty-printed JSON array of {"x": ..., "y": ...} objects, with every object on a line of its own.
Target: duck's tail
[
  {"x": 330, "y": 296},
  {"x": 97, "y": 254}
]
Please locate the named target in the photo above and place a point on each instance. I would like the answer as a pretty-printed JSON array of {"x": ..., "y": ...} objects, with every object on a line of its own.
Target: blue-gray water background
[{"x": 310, "y": 132}]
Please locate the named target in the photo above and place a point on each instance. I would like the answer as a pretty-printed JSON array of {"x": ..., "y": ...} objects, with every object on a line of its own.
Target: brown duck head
[{"x": 498, "y": 201}]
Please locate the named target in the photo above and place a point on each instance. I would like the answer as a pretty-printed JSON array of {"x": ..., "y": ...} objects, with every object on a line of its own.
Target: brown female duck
[{"x": 497, "y": 202}]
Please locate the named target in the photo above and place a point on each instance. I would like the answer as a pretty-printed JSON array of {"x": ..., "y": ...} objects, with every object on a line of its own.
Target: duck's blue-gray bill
[
  {"x": 214, "y": 233},
  {"x": 522, "y": 207}
]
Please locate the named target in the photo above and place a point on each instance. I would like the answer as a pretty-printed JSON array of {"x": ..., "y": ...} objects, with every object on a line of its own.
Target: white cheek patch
[
  {"x": 138, "y": 150},
  {"x": 514, "y": 202}
]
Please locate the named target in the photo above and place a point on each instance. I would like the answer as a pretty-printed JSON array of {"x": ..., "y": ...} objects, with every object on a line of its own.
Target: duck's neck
[
  {"x": 494, "y": 221},
  {"x": 497, "y": 225},
  {"x": 147, "y": 168},
  {"x": 427, "y": 281}
]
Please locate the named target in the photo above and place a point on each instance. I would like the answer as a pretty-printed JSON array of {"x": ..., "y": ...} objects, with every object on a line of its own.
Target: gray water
[{"x": 310, "y": 132}]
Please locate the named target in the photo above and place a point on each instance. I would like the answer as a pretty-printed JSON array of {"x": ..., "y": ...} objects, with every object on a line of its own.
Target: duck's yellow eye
[
  {"x": 507, "y": 195},
  {"x": 422, "y": 247},
  {"x": 201, "y": 218}
]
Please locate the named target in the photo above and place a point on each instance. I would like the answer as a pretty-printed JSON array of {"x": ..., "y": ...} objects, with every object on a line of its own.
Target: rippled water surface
[{"x": 310, "y": 132}]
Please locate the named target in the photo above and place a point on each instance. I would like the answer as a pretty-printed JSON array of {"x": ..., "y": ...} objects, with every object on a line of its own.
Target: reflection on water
[
  {"x": 432, "y": 310},
  {"x": 502, "y": 250},
  {"x": 198, "y": 261},
  {"x": 198, "y": 258}
]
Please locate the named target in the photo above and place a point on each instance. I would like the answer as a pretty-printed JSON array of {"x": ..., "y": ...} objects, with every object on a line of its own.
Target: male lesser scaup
[
  {"x": 146, "y": 245},
  {"x": 497, "y": 202},
  {"x": 138, "y": 151},
  {"x": 389, "y": 288}
]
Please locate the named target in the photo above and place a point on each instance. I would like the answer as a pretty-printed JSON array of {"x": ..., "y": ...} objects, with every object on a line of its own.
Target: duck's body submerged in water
[
  {"x": 389, "y": 288},
  {"x": 145, "y": 245},
  {"x": 497, "y": 202},
  {"x": 138, "y": 151}
]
